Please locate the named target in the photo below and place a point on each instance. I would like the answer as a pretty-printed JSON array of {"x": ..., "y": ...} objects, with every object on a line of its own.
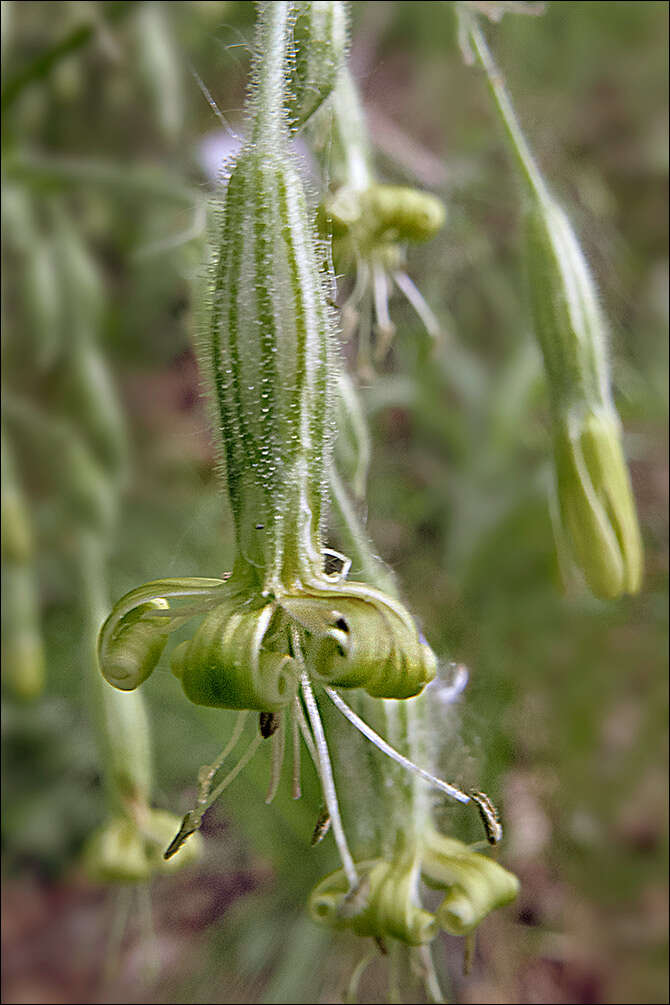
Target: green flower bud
[
  {"x": 319, "y": 51},
  {"x": 596, "y": 507},
  {"x": 17, "y": 539},
  {"x": 126, "y": 851},
  {"x": 160, "y": 67},
  {"x": 226, "y": 666},
  {"x": 475, "y": 884},
  {"x": 23, "y": 661},
  {"x": 597, "y": 511},
  {"x": 80, "y": 281},
  {"x": 397, "y": 213},
  {"x": 88, "y": 395}
]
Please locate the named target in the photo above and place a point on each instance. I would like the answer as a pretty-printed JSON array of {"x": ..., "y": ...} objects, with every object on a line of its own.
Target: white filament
[{"x": 386, "y": 748}]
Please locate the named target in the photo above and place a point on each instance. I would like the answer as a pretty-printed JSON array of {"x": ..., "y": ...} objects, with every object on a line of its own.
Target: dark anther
[
  {"x": 332, "y": 564},
  {"x": 381, "y": 945},
  {"x": 260, "y": 526},
  {"x": 268, "y": 723},
  {"x": 489, "y": 816},
  {"x": 342, "y": 625},
  {"x": 322, "y": 827},
  {"x": 341, "y": 651}
]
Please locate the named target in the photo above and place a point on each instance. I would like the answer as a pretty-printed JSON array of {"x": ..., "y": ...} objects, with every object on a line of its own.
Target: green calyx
[
  {"x": 386, "y": 903},
  {"x": 266, "y": 350},
  {"x": 596, "y": 508}
]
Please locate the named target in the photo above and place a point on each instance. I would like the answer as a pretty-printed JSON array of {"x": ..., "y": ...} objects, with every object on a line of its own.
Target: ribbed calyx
[{"x": 267, "y": 351}]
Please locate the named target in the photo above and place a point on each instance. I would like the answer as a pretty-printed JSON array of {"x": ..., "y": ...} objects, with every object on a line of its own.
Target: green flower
[{"x": 387, "y": 902}]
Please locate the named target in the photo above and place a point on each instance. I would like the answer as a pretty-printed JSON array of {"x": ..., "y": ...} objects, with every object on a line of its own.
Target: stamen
[
  {"x": 360, "y": 286},
  {"x": 386, "y": 328},
  {"x": 321, "y": 827},
  {"x": 295, "y": 740},
  {"x": 489, "y": 816},
  {"x": 386, "y": 748},
  {"x": 326, "y": 772},
  {"x": 193, "y": 819},
  {"x": 415, "y": 298},
  {"x": 306, "y": 734},
  {"x": 207, "y": 772},
  {"x": 277, "y": 759},
  {"x": 359, "y": 970},
  {"x": 430, "y": 981}
]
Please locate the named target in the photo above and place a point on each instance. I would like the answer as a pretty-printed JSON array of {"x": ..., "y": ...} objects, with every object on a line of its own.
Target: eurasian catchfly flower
[
  {"x": 287, "y": 620},
  {"x": 371, "y": 224}
]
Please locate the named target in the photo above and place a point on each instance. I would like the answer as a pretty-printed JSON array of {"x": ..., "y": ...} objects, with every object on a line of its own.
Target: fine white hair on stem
[
  {"x": 212, "y": 104},
  {"x": 381, "y": 295},
  {"x": 386, "y": 748}
]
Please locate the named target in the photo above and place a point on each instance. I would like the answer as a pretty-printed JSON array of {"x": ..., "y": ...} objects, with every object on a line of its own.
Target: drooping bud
[
  {"x": 596, "y": 505},
  {"x": 23, "y": 662},
  {"x": 319, "y": 50},
  {"x": 160, "y": 67},
  {"x": 17, "y": 538}
]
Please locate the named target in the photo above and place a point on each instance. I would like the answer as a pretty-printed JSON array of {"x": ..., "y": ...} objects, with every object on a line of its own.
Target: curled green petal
[
  {"x": 358, "y": 637},
  {"x": 475, "y": 885},
  {"x": 226, "y": 666},
  {"x": 134, "y": 635},
  {"x": 383, "y": 905},
  {"x": 137, "y": 646}
]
